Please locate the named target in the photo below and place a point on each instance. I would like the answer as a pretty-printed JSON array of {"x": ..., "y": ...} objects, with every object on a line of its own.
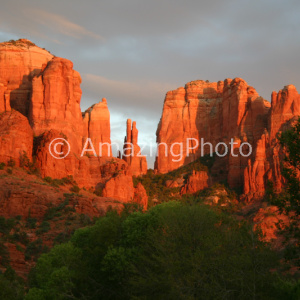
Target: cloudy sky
[{"x": 132, "y": 52}]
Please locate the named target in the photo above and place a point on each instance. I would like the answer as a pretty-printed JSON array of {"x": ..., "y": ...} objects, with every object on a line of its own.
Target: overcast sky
[{"x": 132, "y": 52}]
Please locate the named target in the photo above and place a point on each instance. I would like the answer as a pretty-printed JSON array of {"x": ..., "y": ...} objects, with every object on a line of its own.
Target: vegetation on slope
[
  {"x": 288, "y": 200},
  {"x": 174, "y": 251},
  {"x": 155, "y": 184}
]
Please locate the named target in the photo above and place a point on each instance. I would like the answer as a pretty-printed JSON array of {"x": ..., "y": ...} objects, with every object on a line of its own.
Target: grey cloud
[{"x": 128, "y": 93}]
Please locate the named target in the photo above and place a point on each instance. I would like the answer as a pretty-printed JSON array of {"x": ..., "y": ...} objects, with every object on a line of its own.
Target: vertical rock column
[
  {"x": 96, "y": 126},
  {"x": 127, "y": 143},
  {"x": 132, "y": 151}
]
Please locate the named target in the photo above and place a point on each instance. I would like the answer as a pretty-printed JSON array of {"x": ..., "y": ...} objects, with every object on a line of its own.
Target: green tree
[
  {"x": 11, "y": 286},
  {"x": 193, "y": 252},
  {"x": 289, "y": 200},
  {"x": 56, "y": 273},
  {"x": 173, "y": 251},
  {"x": 290, "y": 141}
]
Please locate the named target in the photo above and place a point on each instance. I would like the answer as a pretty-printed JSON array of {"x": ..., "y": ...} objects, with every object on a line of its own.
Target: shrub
[
  {"x": 75, "y": 189},
  {"x": 99, "y": 191},
  {"x": 48, "y": 179},
  {"x": 34, "y": 249},
  {"x": 62, "y": 237},
  {"x": 31, "y": 223},
  {"x": 54, "y": 210},
  {"x": 2, "y": 165},
  {"x": 44, "y": 227},
  {"x": 58, "y": 182},
  {"x": 9, "y": 171},
  {"x": 6, "y": 225},
  {"x": 4, "y": 254},
  {"x": 21, "y": 237},
  {"x": 85, "y": 220},
  {"x": 11, "y": 163},
  {"x": 69, "y": 180},
  {"x": 19, "y": 248}
]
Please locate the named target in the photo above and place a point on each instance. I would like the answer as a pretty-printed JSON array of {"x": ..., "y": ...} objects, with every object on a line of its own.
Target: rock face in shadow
[
  {"x": 226, "y": 114},
  {"x": 132, "y": 151}
]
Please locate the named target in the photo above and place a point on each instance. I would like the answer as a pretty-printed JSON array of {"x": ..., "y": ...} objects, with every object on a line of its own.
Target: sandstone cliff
[
  {"x": 16, "y": 137},
  {"x": 55, "y": 101},
  {"x": 19, "y": 62},
  {"x": 96, "y": 124},
  {"x": 198, "y": 181},
  {"x": 218, "y": 112},
  {"x": 265, "y": 164},
  {"x": 40, "y": 96}
]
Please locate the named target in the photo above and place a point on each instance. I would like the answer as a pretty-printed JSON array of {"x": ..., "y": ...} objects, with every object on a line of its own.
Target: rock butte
[
  {"x": 217, "y": 112},
  {"x": 40, "y": 96}
]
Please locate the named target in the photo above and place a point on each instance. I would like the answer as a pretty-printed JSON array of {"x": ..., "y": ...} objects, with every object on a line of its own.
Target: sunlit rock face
[
  {"x": 132, "y": 151},
  {"x": 224, "y": 112},
  {"x": 20, "y": 61},
  {"x": 40, "y": 98}
]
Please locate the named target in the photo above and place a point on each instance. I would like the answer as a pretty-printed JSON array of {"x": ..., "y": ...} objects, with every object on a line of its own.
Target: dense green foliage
[
  {"x": 174, "y": 251},
  {"x": 11, "y": 286}
]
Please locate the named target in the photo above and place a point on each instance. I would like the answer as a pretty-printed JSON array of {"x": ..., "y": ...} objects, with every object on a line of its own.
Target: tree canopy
[{"x": 173, "y": 251}]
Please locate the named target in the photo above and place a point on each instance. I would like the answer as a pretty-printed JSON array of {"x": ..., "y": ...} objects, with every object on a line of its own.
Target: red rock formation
[
  {"x": 95, "y": 171},
  {"x": 218, "y": 112},
  {"x": 265, "y": 164},
  {"x": 55, "y": 101},
  {"x": 198, "y": 181},
  {"x": 121, "y": 187},
  {"x": 26, "y": 195},
  {"x": 4, "y": 99},
  {"x": 140, "y": 196},
  {"x": 215, "y": 112},
  {"x": 17, "y": 260},
  {"x": 16, "y": 137},
  {"x": 285, "y": 106},
  {"x": 97, "y": 128},
  {"x": 112, "y": 174},
  {"x": 50, "y": 163},
  {"x": 88, "y": 171},
  {"x": 263, "y": 167},
  {"x": 46, "y": 92},
  {"x": 132, "y": 151},
  {"x": 19, "y": 62}
]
